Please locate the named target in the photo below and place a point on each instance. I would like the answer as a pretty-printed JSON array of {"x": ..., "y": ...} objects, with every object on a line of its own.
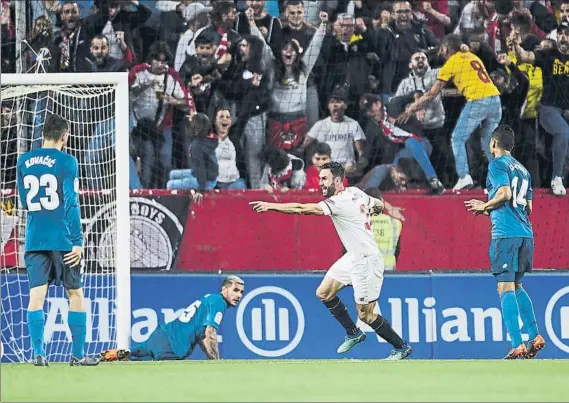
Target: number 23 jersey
[
  {"x": 350, "y": 211},
  {"x": 48, "y": 188},
  {"x": 511, "y": 220}
]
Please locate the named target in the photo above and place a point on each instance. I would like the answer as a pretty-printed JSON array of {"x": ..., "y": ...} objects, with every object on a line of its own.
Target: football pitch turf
[{"x": 293, "y": 380}]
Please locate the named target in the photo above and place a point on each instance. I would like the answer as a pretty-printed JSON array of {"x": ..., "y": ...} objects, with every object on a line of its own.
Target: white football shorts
[{"x": 364, "y": 275}]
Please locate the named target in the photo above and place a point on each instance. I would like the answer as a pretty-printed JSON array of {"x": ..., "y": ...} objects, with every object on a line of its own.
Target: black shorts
[{"x": 48, "y": 267}]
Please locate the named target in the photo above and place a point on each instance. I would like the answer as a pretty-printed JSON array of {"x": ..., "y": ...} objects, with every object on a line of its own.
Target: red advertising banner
[{"x": 223, "y": 233}]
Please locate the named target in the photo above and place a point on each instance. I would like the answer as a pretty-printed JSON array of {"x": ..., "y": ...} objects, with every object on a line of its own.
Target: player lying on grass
[
  {"x": 362, "y": 265},
  {"x": 197, "y": 324},
  {"x": 48, "y": 187},
  {"x": 511, "y": 251}
]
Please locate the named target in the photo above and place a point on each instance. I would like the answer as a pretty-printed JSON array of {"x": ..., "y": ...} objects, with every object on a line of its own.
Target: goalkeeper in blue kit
[
  {"x": 48, "y": 187},
  {"x": 197, "y": 324},
  {"x": 511, "y": 250}
]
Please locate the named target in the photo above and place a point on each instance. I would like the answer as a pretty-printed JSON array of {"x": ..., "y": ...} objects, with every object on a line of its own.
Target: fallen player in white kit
[{"x": 361, "y": 267}]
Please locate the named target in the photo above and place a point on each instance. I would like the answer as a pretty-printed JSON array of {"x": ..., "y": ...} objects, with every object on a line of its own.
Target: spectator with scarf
[
  {"x": 388, "y": 142},
  {"x": 73, "y": 39},
  {"x": 223, "y": 18}
]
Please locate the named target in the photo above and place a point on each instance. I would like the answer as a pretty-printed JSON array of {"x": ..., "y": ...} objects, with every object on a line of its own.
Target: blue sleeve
[
  {"x": 498, "y": 174},
  {"x": 529, "y": 194},
  {"x": 20, "y": 185},
  {"x": 71, "y": 200},
  {"x": 215, "y": 310}
]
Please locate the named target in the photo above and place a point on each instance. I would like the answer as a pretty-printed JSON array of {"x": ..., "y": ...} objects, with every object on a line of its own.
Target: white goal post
[{"x": 22, "y": 90}]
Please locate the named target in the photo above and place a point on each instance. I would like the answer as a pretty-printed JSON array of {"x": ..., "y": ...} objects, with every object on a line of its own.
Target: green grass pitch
[{"x": 293, "y": 380}]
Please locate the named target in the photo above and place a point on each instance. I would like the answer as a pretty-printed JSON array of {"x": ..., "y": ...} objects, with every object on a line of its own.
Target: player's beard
[{"x": 330, "y": 190}]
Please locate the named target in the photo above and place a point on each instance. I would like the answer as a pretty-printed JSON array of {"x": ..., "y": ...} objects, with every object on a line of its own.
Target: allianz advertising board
[{"x": 442, "y": 316}]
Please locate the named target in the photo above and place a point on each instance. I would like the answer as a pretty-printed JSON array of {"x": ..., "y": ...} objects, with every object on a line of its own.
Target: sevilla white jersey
[{"x": 350, "y": 211}]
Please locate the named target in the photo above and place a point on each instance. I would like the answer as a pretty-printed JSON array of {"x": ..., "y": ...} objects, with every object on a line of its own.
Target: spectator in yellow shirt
[{"x": 483, "y": 106}]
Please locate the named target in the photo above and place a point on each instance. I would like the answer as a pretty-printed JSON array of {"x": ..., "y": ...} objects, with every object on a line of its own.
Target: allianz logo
[
  {"x": 262, "y": 322},
  {"x": 420, "y": 321}
]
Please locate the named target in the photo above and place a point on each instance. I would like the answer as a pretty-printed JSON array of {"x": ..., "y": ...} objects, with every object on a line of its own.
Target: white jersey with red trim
[{"x": 350, "y": 211}]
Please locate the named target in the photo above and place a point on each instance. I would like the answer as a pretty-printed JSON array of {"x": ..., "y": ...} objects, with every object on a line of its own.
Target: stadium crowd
[{"x": 259, "y": 94}]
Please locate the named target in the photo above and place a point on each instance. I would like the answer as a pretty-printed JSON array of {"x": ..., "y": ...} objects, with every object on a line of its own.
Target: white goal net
[{"x": 97, "y": 112}]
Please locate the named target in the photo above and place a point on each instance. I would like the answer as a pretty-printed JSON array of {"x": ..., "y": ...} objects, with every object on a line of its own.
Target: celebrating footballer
[{"x": 361, "y": 267}]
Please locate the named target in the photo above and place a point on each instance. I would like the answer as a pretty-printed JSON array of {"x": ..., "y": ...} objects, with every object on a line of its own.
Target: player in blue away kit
[
  {"x": 197, "y": 324},
  {"x": 511, "y": 251},
  {"x": 48, "y": 187}
]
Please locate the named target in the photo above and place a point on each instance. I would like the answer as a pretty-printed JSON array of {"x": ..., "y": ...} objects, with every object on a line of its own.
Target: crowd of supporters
[{"x": 259, "y": 94}]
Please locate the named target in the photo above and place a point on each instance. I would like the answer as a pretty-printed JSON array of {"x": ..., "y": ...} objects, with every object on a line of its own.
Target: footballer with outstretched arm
[
  {"x": 361, "y": 267},
  {"x": 197, "y": 324}
]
